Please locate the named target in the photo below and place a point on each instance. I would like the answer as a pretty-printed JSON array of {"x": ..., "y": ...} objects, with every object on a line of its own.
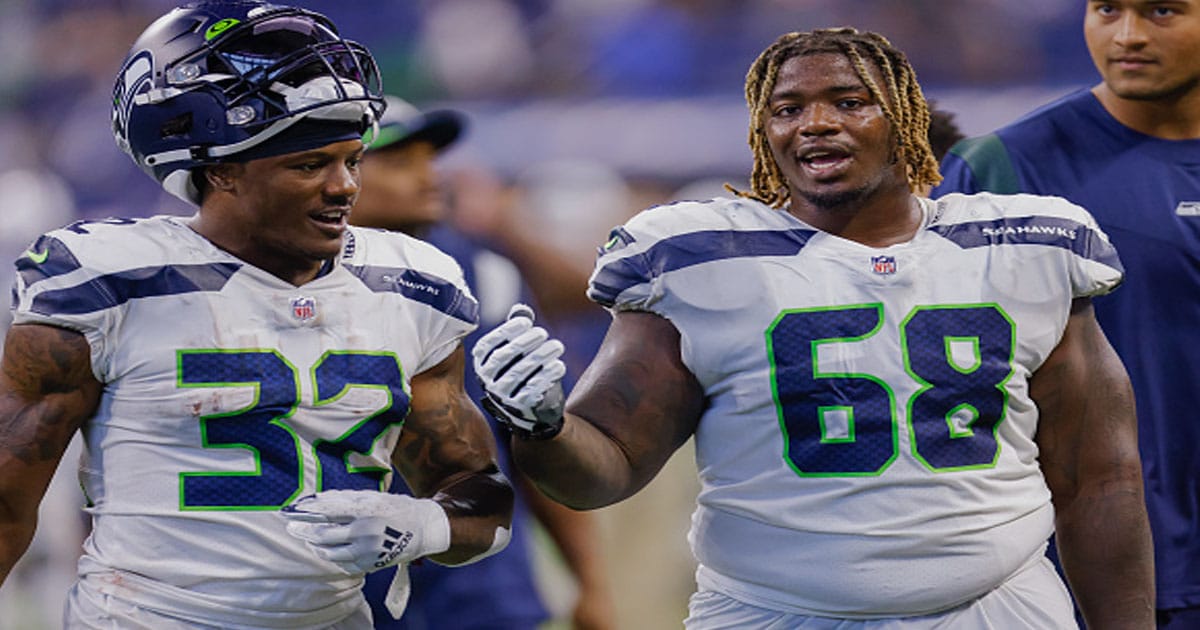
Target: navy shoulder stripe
[
  {"x": 693, "y": 248},
  {"x": 1050, "y": 231},
  {"x": 422, "y": 287},
  {"x": 46, "y": 258},
  {"x": 115, "y": 289}
]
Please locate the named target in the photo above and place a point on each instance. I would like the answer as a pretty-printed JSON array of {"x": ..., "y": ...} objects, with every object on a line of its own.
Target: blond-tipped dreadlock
[{"x": 904, "y": 106}]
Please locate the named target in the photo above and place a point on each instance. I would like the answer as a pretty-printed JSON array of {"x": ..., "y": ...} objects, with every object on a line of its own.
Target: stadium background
[{"x": 586, "y": 111}]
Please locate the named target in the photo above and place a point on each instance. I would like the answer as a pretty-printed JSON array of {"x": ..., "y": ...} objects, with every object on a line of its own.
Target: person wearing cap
[
  {"x": 402, "y": 192},
  {"x": 246, "y": 379}
]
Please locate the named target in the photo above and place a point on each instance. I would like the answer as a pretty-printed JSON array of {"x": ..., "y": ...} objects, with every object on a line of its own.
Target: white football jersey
[
  {"x": 868, "y": 445},
  {"x": 230, "y": 393}
]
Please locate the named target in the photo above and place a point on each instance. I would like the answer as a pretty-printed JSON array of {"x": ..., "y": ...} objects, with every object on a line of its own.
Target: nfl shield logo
[
  {"x": 883, "y": 265},
  {"x": 304, "y": 308}
]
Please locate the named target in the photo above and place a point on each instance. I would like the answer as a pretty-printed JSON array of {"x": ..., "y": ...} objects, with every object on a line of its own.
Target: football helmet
[{"x": 213, "y": 78}]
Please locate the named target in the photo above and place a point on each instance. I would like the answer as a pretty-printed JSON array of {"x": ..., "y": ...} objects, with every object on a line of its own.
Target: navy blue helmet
[{"x": 211, "y": 79}]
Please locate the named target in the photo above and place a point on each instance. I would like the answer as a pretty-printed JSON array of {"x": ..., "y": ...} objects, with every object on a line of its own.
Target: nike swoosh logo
[{"x": 37, "y": 257}]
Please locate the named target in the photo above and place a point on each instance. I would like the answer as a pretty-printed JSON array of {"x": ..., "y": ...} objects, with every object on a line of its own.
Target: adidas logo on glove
[{"x": 394, "y": 543}]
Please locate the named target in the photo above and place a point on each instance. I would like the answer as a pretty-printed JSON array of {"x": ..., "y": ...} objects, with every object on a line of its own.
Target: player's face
[
  {"x": 1146, "y": 49},
  {"x": 828, "y": 134},
  {"x": 400, "y": 189},
  {"x": 295, "y": 207}
]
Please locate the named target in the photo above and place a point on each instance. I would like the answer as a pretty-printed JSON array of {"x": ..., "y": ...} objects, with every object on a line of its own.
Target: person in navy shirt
[{"x": 402, "y": 193}]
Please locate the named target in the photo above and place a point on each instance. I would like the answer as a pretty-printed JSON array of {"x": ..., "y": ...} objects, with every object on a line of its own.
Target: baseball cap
[{"x": 402, "y": 123}]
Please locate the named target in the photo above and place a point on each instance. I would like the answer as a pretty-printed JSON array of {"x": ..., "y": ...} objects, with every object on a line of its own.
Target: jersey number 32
[{"x": 263, "y": 428}]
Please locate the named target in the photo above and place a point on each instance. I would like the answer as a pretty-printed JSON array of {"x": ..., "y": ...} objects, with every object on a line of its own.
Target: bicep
[
  {"x": 47, "y": 391},
  {"x": 445, "y": 435},
  {"x": 638, "y": 392},
  {"x": 1087, "y": 428}
]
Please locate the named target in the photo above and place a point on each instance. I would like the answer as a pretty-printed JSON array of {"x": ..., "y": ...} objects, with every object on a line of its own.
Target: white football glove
[
  {"x": 364, "y": 530},
  {"x": 519, "y": 368}
]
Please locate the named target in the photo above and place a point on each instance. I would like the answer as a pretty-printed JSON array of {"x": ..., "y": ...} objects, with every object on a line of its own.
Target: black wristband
[
  {"x": 496, "y": 410},
  {"x": 543, "y": 432}
]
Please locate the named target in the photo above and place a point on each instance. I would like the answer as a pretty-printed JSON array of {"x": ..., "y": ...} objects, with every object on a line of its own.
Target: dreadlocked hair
[{"x": 904, "y": 106}]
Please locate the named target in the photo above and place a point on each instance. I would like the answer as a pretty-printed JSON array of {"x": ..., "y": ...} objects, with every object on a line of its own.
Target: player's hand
[
  {"x": 366, "y": 530},
  {"x": 519, "y": 368}
]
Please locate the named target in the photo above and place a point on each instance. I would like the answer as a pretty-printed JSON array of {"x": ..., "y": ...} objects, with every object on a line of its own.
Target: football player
[
  {"x": 895, "y": 401},
  {"x": 245, "y": 378}
]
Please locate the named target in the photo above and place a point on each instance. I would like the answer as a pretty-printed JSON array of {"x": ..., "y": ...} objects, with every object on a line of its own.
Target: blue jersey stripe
[
  {"x": 422, "y": 287},
  {"x": 689, "y": 249},
  {"x": 115, "y": 289},
  {"x": 46, "y": 258},
  {"x": 1051, "y": 231}
]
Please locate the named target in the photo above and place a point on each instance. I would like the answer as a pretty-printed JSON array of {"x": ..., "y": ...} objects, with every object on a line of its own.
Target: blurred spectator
[
  {"x": 401, "y": 192},
  {"x": 653, "y": 50},
  {"x": 478, "y": 48},
  {"x": 943, "y": 130}
]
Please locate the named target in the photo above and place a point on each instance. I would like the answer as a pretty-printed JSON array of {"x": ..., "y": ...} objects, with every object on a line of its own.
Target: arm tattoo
[
  {"x": 47, "y": 390},
  {"x": 445, "y": 434},
  {"x": 447, "y": 452}
]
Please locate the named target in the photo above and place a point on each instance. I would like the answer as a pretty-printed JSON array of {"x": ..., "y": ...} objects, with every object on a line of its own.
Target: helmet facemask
[{"x": 243, "y": 83}]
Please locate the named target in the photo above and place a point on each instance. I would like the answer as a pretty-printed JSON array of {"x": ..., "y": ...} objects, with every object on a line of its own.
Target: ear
[{"x": 222, "y": 177}]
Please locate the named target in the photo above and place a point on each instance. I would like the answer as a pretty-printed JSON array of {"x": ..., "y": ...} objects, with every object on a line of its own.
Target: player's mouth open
[
  {"x": 821, "y": 163},
  {"x": 331, "y": 217}
]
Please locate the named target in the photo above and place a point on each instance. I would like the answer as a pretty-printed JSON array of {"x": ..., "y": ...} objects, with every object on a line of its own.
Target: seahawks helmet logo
[
  {"x": 219, "y": 27},
  {"x": 136, "y": 77}
]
